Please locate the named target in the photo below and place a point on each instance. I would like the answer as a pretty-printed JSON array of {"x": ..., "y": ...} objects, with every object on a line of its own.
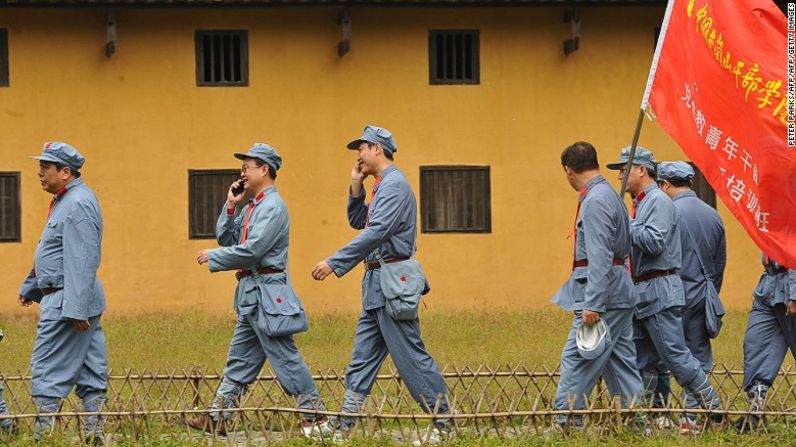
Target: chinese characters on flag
[{"x": 718, "y": 87}]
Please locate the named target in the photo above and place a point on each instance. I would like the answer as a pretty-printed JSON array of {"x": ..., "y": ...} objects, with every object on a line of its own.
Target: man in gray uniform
[
  {"x": 255, "y": 243},
  {"x": 390, "y": 228},
  {"x": 7, "y": 428},
  {"x": 704, "y": 251},
  {"x": 69, "y": 349},
  {"x": 599, "y": 288},
  {"x": 655, "y": 257},
  {"x": 6, "y": 425},
  {"x": 770, "y": 332}
]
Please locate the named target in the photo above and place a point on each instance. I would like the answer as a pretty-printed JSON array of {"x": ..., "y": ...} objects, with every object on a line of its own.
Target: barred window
[
  {"x": 702, "y": 188},
  {"x": 453, "y": 57},
  {"x": 10, "y": 219},
  {"x": 455, "y": 199},
  {"x": 3, "y": 57},
  {"x": 207, "y": 191},
  {"x": 222, "y": 58}
]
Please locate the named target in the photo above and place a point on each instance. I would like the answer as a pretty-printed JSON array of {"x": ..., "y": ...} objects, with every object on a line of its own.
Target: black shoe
[
  {"x": 6, "y": 433},
  {"x": 719, "y": 421},
  {"x": 747, "y": 424},
  {"x": 95, "y": 440}
]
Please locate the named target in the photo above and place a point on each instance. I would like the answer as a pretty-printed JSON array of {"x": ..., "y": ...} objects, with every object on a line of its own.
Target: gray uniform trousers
[
  {"x": 248, "y": 351},
  {"x": 377, "y": 335},
  {"x": 64, "y": 358},
  {"x": 769, "y": 335},
  {"x": 4, "y": 423},
  {"x": 660, "y": 339},
  {"x": 696, "y": 335},
  {"x": 698, "y": 342},
  {"x": 617, "y": 365}
]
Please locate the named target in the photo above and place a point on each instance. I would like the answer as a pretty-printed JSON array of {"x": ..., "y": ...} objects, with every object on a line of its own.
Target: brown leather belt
[
  {"x": 585, "y": 262},
  {"x": 50, "y": 290},
  {"x": 262, "y": 270},
  {"x": 651, "y": 275},
  {"x": 375, "y": 264}
]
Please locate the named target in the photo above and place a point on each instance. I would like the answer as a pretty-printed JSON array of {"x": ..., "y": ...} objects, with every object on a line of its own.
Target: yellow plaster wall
[{"x": 142, "y": 123}]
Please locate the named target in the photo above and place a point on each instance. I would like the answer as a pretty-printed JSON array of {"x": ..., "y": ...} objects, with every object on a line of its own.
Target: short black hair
[
  {"x": 387, "y": 153},
  {"x": 580, "y": 156},
  {"x": 59, "y": 166},
  {"x": 271, "y": 171},
  {"x": 681, "y": 183},
  {"x": 650, "y": 172}
]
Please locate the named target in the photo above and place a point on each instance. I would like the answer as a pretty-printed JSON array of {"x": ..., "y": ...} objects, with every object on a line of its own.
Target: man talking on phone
[
  {"x": 390, "y": 228},
  {"x": 255, "y": 243}
]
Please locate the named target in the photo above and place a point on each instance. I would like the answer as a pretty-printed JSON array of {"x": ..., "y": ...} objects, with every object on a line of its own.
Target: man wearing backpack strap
[{"x": 704, "y": 255}]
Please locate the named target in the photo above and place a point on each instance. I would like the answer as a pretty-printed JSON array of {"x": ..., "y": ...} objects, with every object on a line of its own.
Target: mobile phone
[{"x": 238, "y": 188}]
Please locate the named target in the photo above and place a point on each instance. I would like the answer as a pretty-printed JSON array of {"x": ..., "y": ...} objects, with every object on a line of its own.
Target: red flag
[{"x": 719, "y": 87}]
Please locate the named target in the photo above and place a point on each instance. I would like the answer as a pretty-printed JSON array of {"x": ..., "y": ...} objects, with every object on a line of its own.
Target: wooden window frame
[
  {"x": 424, "y": 199},
  {"x": 699, "y": 182},
  {"x": 15, "y": 208},
  {"x": 475, "y": 78},
  {"x": 201, "y": 81},
  {"x": 4, "y": 81},
  {"x": 192, "y": 224}
]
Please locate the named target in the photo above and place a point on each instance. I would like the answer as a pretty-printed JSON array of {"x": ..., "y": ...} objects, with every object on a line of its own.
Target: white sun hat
[{"x": 593, "y": 340}]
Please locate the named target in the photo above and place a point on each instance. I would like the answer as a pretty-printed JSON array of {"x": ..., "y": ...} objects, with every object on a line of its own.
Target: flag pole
[
  {"x": 633, "y": 146},
  {"x": 645, "y": 99}
]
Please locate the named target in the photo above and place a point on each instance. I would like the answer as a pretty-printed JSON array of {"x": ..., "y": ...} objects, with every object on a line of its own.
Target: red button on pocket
[
  {"x": 279, "y": 299},
  {"x": 403, "y": 279}
]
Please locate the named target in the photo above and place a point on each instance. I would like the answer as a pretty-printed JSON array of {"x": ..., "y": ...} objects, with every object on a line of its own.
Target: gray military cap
[
  {"x": 264, "y": 152},
  {"x": 375, "y": 134},
  {"x": 675, "y": 171},
  {"x": 63, "y": 154},
  {"x": 643, "y": 157}
]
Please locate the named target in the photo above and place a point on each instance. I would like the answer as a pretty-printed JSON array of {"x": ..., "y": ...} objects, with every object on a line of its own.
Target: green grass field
[
  {"x": 183, "y": 341},
  {"x": 186, "y": 340}
]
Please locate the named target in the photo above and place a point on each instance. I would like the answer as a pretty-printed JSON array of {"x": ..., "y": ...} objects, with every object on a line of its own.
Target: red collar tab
[
  {"x": 61, "y": 192},
  {"x": 259, "y": 197},
  {"x": 640, "y": 196}
]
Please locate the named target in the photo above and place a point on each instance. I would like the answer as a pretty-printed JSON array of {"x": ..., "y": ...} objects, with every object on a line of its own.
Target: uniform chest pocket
[{"x": 52, "y": 231}]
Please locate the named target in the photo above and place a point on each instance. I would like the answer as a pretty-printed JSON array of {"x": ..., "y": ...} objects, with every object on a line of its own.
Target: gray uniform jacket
[
  {"x": 391, "y": 229},
  {"x": 68, "y": 256},
  {"x": 655, "y": 246},
  {"x": 707, "y": 229},
  {"x": 777, "y": 284},
  {"x": 602, "y": 235},
  {"x": 266, "y": 245}
]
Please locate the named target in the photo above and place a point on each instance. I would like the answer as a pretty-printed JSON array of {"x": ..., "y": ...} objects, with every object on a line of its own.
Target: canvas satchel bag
[
  {"x": 402, "y": 284},
  {"x": 280, "y": 311}
]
